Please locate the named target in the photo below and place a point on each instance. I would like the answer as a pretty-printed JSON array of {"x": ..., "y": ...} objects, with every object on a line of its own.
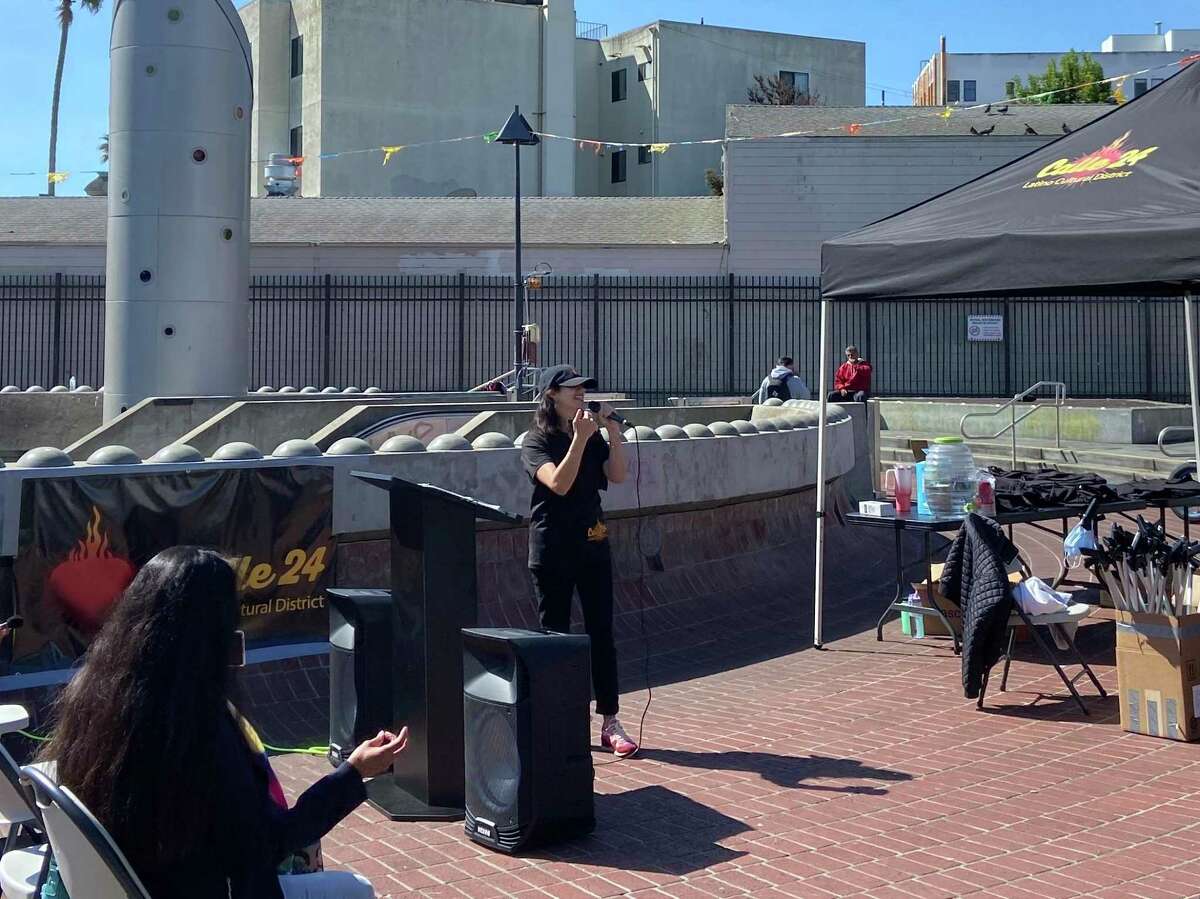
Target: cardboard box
[
  {"x": 953, "y": 612},
  {"x": 1158, "y": 674}
]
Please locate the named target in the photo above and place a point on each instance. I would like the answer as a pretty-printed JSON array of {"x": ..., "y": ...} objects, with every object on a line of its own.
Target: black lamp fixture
[{"x": 516, "y": 131}]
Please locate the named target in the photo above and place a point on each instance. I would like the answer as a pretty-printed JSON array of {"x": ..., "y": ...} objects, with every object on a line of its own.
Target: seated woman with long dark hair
[{"x": 146, "y": 736}]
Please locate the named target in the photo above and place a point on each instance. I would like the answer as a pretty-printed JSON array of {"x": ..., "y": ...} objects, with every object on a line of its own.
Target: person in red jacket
[{"x": 852, "y": 382}]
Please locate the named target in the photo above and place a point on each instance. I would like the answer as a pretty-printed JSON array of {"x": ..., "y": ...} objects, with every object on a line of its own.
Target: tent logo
[{"x": 1109, "y": 162}]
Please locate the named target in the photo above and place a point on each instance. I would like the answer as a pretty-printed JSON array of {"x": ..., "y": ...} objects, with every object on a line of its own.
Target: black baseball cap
[{"x": 563, "y": 376}]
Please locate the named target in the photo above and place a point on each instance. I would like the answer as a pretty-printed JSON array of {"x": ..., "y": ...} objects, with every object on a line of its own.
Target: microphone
[{"x": 594, "y": 408}]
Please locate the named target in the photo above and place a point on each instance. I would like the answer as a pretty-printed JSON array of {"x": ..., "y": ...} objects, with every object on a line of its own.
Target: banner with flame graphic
[{"x": 82, "y": 541}]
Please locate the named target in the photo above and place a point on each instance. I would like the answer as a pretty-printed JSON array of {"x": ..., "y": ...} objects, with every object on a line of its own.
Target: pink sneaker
[{"x": 613, "y": 736}]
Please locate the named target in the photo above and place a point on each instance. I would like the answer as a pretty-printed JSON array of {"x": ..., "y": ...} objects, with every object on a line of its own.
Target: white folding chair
[
  {"x": 22, "y": 865},
  {"x": 89, "y": 862}
]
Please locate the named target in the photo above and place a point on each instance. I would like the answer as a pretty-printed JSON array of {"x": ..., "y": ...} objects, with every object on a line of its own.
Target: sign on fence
[
  {"x": 985, "y": 327},
  {"x": 83, "y": 540}
]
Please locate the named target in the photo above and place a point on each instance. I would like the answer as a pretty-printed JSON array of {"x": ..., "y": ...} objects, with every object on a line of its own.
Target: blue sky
[{"x": 897, "y": 36}]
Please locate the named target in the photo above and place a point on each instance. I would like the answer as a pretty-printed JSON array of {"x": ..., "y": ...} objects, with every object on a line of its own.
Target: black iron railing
[{"x": 652, "y": 337}]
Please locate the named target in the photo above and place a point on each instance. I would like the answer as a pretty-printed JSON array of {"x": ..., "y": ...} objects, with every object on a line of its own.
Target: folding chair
[
  {"x": 25, "y": 856},
  {"x": 88, "y": 860},
  {"x": 1071, "y": 615}
]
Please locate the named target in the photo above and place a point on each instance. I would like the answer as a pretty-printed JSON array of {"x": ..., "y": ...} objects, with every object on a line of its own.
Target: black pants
[
  {"x": 859, "y": 396},
  {"x": 588, "y": 569}
]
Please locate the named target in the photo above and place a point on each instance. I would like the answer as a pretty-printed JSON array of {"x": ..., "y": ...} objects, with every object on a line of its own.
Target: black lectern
[{"x": 433, "y": 599}]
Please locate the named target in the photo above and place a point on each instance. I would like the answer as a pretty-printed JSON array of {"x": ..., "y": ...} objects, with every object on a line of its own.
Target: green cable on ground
[{"x": 307, "y": 750}]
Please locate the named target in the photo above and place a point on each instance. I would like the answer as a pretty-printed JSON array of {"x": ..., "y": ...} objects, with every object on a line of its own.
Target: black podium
[{"x": 433, "y": 599}]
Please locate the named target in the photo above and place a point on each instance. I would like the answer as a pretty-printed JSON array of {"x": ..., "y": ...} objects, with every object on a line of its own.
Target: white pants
[{"x": 326, "y": 885}]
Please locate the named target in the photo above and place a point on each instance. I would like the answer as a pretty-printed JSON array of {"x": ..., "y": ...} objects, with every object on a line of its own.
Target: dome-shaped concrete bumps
[
  {"x": 44, "y": 457},
  {"x": 723, "y": 429},
  {"x": 402, "y": 443},
  {"x": 59, "y": 388},
  {"x": 83, "y": 388},
  {"x": 178, "y": 452},
  {"x": 803, "y": 419},
  {"x": 744, "y": 427},
  {"x": 266, "y": 388},
  {"x": 10, "y": 388},
  {"x": 35, "y": 388},
  {"x": 641, "y": 434},
  {"x": 834, "y": 412},
  {"x": 765, "y": 425},
  {"x": 351, "y": 390},
  {"x": 671, "y": 432},
  {"x": 350, "y": 446},
  {"x": 237, "y": 451},
  {"x": 782, "y": 423},
  {"x": 114, "y": 455},
  {"x": 448, "y": 443},
  {"x": 372, "y": 390},
  {"x": 296, "y": 448},
  {"x": 492, "y": 440},
  {"x": 697, "y": 430},
  {"x": 309, "y": 389},
  {"x": 330, "y": 390},
  {"x": 772, "y": 401},
  {"x": 519, "y": 441},
  {"x": 288, "y": 389}
]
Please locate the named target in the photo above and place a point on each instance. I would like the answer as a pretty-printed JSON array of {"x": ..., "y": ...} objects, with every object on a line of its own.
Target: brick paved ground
[{"x": 859, "y": 770}]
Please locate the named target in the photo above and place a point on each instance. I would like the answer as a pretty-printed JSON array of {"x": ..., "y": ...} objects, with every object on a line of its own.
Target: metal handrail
[
  {"x": 1174, "y": 429},
  {"x": 1060, "y": 397}
]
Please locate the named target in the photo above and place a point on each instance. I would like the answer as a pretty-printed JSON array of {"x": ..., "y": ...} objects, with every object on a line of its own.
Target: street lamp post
[{"x": 516, "y": 131}]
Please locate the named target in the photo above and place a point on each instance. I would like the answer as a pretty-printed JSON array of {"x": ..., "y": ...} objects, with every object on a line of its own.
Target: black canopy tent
[{"x": 1112, "y": 206}]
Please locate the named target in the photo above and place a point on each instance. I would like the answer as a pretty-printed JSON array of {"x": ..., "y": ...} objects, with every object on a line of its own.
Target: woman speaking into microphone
[{"x": 569, "y": 464}]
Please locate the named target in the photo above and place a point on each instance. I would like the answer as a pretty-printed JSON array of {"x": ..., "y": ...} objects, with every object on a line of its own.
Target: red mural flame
[{"x": 90, "y": 579}]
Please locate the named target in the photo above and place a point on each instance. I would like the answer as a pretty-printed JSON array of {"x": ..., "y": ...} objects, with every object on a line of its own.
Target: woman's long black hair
[
  {"x": 545, "y": 417},
  {"x": 136, "y": 730}
]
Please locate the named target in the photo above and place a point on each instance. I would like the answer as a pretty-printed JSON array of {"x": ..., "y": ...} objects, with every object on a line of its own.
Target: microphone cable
[{"x": 642, "y": 556}]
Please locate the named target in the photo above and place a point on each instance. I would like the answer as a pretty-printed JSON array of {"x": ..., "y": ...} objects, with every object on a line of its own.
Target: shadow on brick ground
[
  {"x": 793, "y": 772},
  {"x": 651, "y": 829}
]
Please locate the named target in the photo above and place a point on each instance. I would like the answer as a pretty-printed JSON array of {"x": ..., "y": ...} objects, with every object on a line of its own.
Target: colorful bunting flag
[
  {"x": 853, "y": 128},
  {"x": 659, "y": 148},
  {"x": 594, "y": 145},
  {"x": 389, "y": 152},
  {"x": 946, "y": 113},
  {"x": 490, "y": 136},
  {"x": 58, "y": 177}
]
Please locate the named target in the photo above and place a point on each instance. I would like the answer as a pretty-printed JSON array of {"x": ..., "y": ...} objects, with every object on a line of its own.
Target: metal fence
[{"x": 651, "y": 337}]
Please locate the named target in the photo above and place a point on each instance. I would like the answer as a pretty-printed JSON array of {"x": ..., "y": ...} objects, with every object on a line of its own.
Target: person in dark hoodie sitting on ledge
[{"x": 147, "y": 738}]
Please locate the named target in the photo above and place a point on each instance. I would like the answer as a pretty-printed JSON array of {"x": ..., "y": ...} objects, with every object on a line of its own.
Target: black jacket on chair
[
  {"x": 239, "y": 860},
  {"x": 976, "y": 577}
]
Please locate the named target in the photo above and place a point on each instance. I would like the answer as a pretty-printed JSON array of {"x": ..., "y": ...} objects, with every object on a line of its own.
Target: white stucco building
[
  {"x": 338, "y": 75},
  {"x": 965, "y": 78}
]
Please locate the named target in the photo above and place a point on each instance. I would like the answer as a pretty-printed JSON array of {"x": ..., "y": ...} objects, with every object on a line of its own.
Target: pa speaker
[
  {"x": 529, "y": 774},
  {"x": 360, "y": 668}
]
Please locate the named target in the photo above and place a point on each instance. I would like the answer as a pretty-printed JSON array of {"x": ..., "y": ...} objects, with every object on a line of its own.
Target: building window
[
  {"x": 618, "y": 85},
  {"x": 969, "y": 91},
  {"x": 1140, "y": 86},
  {"x": 1010, "y": 89},
  {"x": 297, "y": 55},
  {"x": 797, "y": 81},
  {"x": 643, "y": 71},
  {"x": 296, "y": 142},
  {"x": 643, "y": 155},
  {"x": 952, "y": 94},
  {"x": 618, "y": 166}
]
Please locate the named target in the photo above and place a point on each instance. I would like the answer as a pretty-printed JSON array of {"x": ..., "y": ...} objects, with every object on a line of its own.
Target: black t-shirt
[{"x": 563, "y": 521}]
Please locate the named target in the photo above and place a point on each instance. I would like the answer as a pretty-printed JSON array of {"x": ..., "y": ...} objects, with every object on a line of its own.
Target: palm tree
[
  {"x": 104, "y": 148},
  {"x": 66, "y": 15}
]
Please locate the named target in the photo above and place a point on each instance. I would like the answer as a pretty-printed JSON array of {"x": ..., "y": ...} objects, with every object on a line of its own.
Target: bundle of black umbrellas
[{"x": 1146, "y": 570}]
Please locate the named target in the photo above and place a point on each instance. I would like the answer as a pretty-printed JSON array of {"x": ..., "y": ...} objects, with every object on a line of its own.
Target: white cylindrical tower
[{"x": 176, "y": 307}]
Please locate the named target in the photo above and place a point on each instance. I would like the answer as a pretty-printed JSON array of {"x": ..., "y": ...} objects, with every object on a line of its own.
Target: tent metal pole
[
  {"x": 819, "y": 586},
  {"x": 1190, "y": 328}
]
